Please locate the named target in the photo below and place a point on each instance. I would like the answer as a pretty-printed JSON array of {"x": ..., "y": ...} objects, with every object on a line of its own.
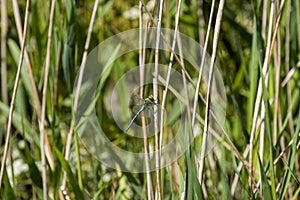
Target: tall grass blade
[
  {"x": 71, "y": 177},
  {"x": 69, "y": 56},
  {"x": 21, "y": 124},
  {"x": 293, "y": 156},
  {"x": 266, "y": 190},
  {"x": 193, "y": 187},
  {"x": 7, "y": 192},
  {"x": 33, "y": 169},
  {"x": 269, "y": 135},
  {"x": 15, "y": 52}
]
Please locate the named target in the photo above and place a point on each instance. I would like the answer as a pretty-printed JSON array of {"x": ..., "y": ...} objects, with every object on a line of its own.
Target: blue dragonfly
[{"x": 149, "y": 101}]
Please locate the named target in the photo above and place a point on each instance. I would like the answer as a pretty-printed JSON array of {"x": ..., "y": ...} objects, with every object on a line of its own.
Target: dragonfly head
[{"x": 150, "y": 99}]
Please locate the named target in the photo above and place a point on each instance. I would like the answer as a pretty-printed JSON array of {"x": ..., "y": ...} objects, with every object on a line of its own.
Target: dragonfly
[{"x": 149, "y": 101}]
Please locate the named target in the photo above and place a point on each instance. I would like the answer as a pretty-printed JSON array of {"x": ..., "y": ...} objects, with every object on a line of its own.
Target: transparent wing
[{"x": 136, "y": 103}]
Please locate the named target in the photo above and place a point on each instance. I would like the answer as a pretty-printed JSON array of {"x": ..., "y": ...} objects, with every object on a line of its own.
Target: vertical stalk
[
  {"x": 163, "y": 101},
  {"x": 287, "y": 69},
  {"x": 202, "y": 64},
  {"x": 18, "y": 21},
  {"x": 277, "y": 65},
  {"x": 42, "y": 123},
  {"x": 270, "y": 44},
  {"x": 208, "y": 96},
  {"x": 201, "y": 22},
  {"x": 3, "y": 52},
  {"x": 142, "y": 54},
  {"x": 76, "y": 95},
  {"x": 12, "y": 103},
  {"x": 264, "y": 19},
  {"x": 155, "y": 95},
  {"x": 259, "y": 95}
]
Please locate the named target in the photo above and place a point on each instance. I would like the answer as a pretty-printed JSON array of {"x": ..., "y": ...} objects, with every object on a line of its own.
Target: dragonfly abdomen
[{"x": 135, "y": 116}]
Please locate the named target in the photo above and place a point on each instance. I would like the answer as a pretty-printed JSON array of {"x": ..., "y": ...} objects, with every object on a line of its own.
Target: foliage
[{"x": 241, "y": 54}]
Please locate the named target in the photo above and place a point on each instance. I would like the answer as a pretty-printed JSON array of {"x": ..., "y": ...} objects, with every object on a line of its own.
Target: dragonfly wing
[{"x": 136, "y": 103}]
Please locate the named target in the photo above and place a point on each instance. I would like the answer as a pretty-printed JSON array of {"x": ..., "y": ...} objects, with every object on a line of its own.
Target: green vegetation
[{"x": 254, "y": 154}]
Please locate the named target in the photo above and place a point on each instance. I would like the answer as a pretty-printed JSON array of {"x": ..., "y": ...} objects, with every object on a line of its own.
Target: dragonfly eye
[{"x": 150, "y": 97}]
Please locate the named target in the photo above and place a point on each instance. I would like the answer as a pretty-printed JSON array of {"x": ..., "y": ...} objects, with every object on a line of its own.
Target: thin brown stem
[
  {"x": 268, "y": 54},
  {"x": 229, "y": 146},
  {"x": 155, "y": 95},
  {"x": 12, "y": 103},
  {"x": 44, "y": 98},
  {"x": 76, "y": 95},
  {"x": 55, "y": 89},
  {"x": 258, "y": 99},
  {"x": 202, "y": 63},
  {"x": 142, "y": 55},
  {"x": 18, "y": 21},
  {"x": 264, "y": 19},
  {"x": 163, "y": 101},
  {"x": 4, "y": 27},
  {"x": 201, "y": 21},
  {"x": 208, "y": 96},
  {"x": 287, "y": 69},
  {"x": 277, "y": 65}
]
